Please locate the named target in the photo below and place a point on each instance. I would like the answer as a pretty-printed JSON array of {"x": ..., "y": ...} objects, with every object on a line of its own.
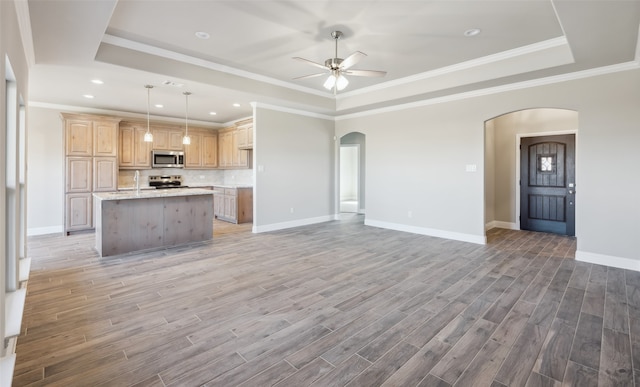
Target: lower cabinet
[
  {"x": 233, "y": 205},
  {"x": 79, "y": 211}
]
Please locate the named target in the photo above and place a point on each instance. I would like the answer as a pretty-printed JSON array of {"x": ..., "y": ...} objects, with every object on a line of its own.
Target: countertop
[
  {"x": 151, "y": 193},
  {"x": 233, "y": 185},
  {"x": 204, "y": 185}
]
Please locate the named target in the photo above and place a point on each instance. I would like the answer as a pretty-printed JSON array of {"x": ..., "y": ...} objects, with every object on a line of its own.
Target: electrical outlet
[
  {"x": 410, "y": 214},
  {"x": 291, "y": 210}
]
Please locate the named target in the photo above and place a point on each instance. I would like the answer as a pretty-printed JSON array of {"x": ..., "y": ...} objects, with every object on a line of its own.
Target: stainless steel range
[{"x": 166, "y": 181}]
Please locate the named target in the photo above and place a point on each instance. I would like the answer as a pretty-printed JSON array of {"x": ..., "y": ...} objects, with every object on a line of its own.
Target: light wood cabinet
[
  {"x": 202, "y": 153},
  {"x": 105, "y": 139},
  {"x": 233, "y": 205},
  {"x": 84, "y": 137},
  {"x": 240, "y": 156},
  {"x": 79, "y": 211},
  {"x": 105, "y": 174},
  {"x": 78, "y": 174},
  {"x": 225, "y": 148},
  {"x": 167, "y": 139},
  {"x": 78, "y": 137},
  {"x": 91, "y": 165},
  {"x": 230, "y": 155},
  {"x": 209, "y": 150},
  {"x": 133, "y": 151},
  {"x": 193, "y": 152},
  {"x": 245, "y": 134}
]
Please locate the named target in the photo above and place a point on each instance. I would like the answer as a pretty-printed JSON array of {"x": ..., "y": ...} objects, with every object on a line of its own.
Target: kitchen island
[{"x": 128, "y": 221}]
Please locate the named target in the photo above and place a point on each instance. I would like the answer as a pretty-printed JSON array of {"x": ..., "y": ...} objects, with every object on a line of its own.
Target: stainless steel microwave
[{"x": 167, "y": 159}]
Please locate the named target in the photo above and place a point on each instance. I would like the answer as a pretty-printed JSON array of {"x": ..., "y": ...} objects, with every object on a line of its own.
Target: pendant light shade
[
  {"x": 186, "y": 140},
  {"x": 148, "y": 137}
]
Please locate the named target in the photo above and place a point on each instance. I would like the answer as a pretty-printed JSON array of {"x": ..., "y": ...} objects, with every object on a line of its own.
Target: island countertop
[{"x": 151, "y": 193}]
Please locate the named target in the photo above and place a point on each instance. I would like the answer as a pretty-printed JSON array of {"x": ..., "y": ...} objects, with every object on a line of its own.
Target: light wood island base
[{"x": 130, "y": 221}]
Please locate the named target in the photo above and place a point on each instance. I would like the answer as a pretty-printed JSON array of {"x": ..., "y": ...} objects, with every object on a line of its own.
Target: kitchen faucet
[{"x": 136, "y": 178}]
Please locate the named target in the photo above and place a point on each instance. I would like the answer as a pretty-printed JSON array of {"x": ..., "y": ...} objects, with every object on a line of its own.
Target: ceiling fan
[{"x": 338, "y": 68}]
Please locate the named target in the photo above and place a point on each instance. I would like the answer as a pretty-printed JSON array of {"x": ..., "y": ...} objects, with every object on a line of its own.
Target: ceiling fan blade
[
  {"x": 365, "y": 73},
  {"x": 310, "y": 62},
  {"x": 310, "y": 76},
  {"x": 352, "y": 59}
]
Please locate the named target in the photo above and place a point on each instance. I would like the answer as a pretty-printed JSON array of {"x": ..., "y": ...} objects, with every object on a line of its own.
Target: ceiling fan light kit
[{"x": 338, "y": 67}]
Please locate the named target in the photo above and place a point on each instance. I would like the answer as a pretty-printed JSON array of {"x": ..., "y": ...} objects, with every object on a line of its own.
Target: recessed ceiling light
[
  {"x": 88, "y": 96},
  {"x": 472, "y": 32},
  {"x": 202, "y": 35},
  {"x": 212, "y": 113},
  {"x": 97, "y": 81},
  {"x": 171, "y": 83},
  {"x": 236, "y": 104},
  {"x": 159, "y": 105}
]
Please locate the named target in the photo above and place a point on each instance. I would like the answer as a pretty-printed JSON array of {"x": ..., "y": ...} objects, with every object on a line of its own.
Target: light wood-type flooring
[{"x": 332, "y": 304}]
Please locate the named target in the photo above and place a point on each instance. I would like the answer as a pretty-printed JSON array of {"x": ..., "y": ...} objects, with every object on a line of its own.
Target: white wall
[
  {"x": 416, "y": 162},
  {"x": 45, "y": 198},
  {"x": 416, "y": 169},
  {"x": 295, "y": 169}
]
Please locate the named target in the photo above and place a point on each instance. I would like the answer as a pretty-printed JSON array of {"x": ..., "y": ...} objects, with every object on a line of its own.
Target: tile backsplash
[{"x": 189, "y": 176}]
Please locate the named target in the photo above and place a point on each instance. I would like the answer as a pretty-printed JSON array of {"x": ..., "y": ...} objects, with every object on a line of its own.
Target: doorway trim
[{"x": 519, "y": 136}]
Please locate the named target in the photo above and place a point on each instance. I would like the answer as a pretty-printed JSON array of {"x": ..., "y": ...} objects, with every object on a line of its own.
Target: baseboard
[
  {"x": 45, "y": 230},
  {"x": 500, "y": 224},
  {"x": 291, "y": 224},
  {"x": 608, "y": 260},
  {"x": 428, "y": 231}
]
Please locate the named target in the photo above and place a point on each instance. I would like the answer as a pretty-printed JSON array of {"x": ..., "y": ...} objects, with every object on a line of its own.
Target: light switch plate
[{"x": 471, "y": 168}]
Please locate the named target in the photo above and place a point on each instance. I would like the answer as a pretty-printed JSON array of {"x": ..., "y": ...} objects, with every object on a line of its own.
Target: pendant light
[
  {"x": 148, "y": 137},
  {"x": 186, "y": 140}
]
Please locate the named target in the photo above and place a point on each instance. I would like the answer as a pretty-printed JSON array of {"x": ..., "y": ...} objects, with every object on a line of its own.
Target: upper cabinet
[
  {"x": 105, "y": 139},
  {"x": 209, "y": 149},
  {"x": 133, "y": 151},
  {"x": 90, "y": 137},
  {"x": 202, "y": 153},
  {"x": 245, "y": 134},
  {"x": 78, "y": 137},
  {"x": 231, "y": 155},
  {"x": 167, "y": 139}
]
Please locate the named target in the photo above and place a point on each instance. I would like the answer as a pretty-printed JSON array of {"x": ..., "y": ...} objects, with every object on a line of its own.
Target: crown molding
[
  {"x": 499, "y": 89},
  {"x": 291, "y": 110},
  {"x": 489, "y": 59},
  {"x": 152, "y": 50},
  {"x": 121, "y": 114}
]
